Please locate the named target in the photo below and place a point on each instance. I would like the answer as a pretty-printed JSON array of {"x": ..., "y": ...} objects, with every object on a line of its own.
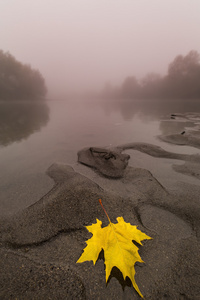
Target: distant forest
[
  {"x": 181, "y": 82},
  {"x": 19, "y": 81}
]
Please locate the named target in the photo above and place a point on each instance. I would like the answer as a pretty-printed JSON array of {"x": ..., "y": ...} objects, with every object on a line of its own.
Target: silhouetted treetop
[
  {"x": 19, "y": 81},
  {"x": 185, "y": 65},
  {"x": 130, "y": 87},
  {"x": 183, "y": 79},
  {"x": 181, "y": 82}
]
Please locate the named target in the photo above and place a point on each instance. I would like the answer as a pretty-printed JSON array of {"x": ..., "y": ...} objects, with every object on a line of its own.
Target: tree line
[
  {"x": 19, "y": 81},
  {"x": 181, "y": 82}
]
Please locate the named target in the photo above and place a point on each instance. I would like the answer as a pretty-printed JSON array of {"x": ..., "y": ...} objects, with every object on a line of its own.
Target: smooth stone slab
[
  {"x": 189, "y": 137},
  {"x": 166, "y": 224},
  {"x": 189, "y": 168}
]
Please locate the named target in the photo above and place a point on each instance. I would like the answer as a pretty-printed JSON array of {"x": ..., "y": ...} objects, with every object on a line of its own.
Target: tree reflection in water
[{"x": 21, "y": 119}]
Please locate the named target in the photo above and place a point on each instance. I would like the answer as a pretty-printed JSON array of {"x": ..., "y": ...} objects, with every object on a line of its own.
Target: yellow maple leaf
[{"x": 119, "y": 250}]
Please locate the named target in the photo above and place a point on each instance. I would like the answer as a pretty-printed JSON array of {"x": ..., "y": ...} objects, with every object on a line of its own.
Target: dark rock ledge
[{"x": 112, "y": 162}]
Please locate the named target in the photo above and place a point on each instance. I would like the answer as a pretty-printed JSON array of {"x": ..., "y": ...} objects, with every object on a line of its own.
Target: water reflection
[
  {"x": 19, "y": 120},
  {"x": 149, "y": 108}
]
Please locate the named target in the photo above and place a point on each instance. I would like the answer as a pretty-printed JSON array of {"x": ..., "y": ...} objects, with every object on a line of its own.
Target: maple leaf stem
[{"x": 104, "y": 210}]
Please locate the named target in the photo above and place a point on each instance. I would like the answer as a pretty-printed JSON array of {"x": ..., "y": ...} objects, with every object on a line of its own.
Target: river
[{"x": 34, "y": 136}]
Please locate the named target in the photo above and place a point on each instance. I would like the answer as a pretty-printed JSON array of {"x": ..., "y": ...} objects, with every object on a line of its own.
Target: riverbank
[{"x": 40, "y": 245}]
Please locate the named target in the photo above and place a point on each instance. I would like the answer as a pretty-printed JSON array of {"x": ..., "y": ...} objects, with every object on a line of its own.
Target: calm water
[{"x": 33, "y": 136}]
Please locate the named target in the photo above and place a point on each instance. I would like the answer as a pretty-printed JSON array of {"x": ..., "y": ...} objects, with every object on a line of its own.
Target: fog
[{"x": 80, "y": 45}]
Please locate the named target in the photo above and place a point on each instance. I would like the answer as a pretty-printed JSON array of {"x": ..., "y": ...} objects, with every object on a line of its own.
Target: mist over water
[{"x": 82, "y": 45}]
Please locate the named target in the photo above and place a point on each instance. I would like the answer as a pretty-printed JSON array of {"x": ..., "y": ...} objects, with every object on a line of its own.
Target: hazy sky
[{"x": 85, "y": 43}]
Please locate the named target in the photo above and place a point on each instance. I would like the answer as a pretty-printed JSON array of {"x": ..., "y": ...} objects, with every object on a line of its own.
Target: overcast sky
[{"x": 84, "y": 43}]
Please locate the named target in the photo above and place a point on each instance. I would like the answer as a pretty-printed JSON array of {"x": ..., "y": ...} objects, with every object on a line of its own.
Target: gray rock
[
  {"x": 166, "y": 224},
  {"x": 69, "y": 205},
  {"x": 108, "y": 162},
  {"x": 39, "y": 246},
  {"x": 25, "y": 279}
]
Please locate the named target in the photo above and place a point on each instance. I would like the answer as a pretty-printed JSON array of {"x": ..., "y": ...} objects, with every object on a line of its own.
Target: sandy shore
[{"x": 41, "y": 244}]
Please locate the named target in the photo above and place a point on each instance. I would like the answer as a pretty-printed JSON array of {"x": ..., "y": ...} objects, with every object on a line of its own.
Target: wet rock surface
[
  {"x": 41, "y": 244},
  {"x": 188, "y": 127}
]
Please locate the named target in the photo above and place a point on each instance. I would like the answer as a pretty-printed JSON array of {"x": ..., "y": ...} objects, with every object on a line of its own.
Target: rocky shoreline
[{"x": 40, "y": 245}]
